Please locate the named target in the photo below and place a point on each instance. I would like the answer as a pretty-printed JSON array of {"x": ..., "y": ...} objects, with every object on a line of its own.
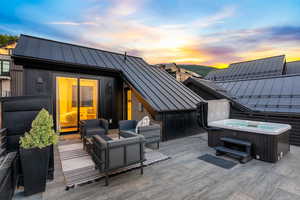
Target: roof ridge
[
  {"x": 256, "y": 59},
  {"x": 77, "y": 45}
]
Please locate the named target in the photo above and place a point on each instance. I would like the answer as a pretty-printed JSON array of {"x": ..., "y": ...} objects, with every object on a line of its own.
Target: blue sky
[{"x": 211, "y": 32}]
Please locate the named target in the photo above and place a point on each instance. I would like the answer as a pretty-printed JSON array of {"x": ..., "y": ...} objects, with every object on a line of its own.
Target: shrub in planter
[{"x": 35, "y": 151}]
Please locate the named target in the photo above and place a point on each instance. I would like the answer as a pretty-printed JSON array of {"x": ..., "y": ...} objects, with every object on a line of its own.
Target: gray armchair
[
  {"x": 110, "y": 155},
  {"x": 152, "y": 133},
  {"x": 92, "y": 127}
]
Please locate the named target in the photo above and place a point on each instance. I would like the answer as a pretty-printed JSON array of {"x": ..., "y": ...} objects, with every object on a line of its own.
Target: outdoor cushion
[
  {"x": 144, "y": 122},
  {"x": 95, "y": 131}
]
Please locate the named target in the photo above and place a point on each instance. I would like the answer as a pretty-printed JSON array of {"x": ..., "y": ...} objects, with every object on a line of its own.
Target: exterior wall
[
  {"x": 5, "y": 88},
  {"x": 5, "y": 80},
  {"x": 137, "y": 113},
  {"x": 16, "y": 74},
  {"x": 178, "y": 124},
  {"x": 6, "y": 50},
  {"x": 174, "y": 124},
  {"x": 42, "y": 82}
]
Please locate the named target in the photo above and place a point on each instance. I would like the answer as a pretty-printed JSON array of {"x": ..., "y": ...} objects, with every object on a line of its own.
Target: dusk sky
[{"x": 211, "y": 32}]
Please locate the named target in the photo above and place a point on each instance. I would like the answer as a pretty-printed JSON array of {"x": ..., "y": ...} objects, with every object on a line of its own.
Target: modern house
[
  {"x": 268, "y": 84},
  {"x": 259, "y": 68},
  {"x": 87, "y": 83}
]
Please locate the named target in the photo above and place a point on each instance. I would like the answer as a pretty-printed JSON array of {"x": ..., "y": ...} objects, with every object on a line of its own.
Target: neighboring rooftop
[
  {"x": 199, "y": 69},
  {"x": 277, "y": 94},
  {"x": 264, "y": 67},
  {"x": 293, "y": 67},
  {"x": 209, "y": 90},
  {"x": 157, "y": 87}
]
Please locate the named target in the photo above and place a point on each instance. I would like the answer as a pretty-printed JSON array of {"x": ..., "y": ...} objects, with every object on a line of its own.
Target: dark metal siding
[
  {"x": 178, "y": 124},
  {"x": 158, "y": 88},
  {"x": 16, "y": 74}
]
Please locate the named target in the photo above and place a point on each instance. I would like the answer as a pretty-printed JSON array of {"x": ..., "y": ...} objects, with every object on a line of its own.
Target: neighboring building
[
  {"x": 5, "y": 68},
  {"x": 179, "y": 73},
  {"x": 259, "y": 68},
  {"x": 87, "y": 83},
  {"x": 275, "y": 99},
  {"x": 268, "y": 84}
]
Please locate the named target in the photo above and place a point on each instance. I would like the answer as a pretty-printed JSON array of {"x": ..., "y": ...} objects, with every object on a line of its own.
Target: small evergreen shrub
[{"x": 41, "y": 134}]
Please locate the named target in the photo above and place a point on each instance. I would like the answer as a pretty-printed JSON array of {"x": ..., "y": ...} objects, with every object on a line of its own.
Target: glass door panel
[
  {"x": 66, "y": 104},
  {"x": 88, "y": 100},
  {"x": 129, "y": 105}
]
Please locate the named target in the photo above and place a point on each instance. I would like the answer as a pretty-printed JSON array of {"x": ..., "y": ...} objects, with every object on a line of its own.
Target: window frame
[{"x": 5, "y": 73}]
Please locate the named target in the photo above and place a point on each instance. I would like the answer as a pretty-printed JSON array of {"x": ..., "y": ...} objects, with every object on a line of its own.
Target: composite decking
[{"x": 186, "y": 177}]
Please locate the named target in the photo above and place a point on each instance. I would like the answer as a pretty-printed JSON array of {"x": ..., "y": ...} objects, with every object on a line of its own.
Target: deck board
[{"x": 186, "y": 177}]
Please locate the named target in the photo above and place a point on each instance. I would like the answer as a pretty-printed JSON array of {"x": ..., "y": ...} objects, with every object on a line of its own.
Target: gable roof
[
  {"x": 159, "y": 89},
  {"x": 293, "y": 67},
  {"x": 276, "y": 94},
  {"x": 264, "y": 67}
]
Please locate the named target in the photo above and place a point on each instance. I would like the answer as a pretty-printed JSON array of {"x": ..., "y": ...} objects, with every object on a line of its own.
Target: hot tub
[{"x": 270, "y": 140}]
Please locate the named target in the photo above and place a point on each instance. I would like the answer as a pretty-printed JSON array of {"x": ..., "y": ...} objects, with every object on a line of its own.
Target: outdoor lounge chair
[
  {"x": 110, "y": 155},
  {"x": 151, "y": 132},
  {"x": 91, "y": 127}
]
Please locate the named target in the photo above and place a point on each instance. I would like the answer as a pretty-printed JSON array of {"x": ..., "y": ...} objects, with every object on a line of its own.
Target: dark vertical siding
[
  {"x": 38, "y": 82},
  {"x": 178, "y": 124},
  {"x": 16, "y": 74},
  {"x": 41, "y": 82}
]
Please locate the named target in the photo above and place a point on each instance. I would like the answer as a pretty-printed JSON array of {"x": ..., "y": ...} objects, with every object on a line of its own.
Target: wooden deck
[{"x": 184, "y": 176}]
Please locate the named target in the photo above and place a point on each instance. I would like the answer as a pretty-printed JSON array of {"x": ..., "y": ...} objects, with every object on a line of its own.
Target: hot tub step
[
  {"x": 244, "y": 157},
  {"x": 236, "y": 141}
]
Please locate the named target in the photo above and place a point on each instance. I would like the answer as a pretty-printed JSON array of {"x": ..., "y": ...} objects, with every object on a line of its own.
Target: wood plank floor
[{"x": 186, "y": 177}]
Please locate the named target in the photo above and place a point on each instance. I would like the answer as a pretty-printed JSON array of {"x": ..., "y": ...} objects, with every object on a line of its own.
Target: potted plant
[{"x": 35, "y": 152}]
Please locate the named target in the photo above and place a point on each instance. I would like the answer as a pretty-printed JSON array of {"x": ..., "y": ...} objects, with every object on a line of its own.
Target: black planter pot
[{"x": 35, "y": 164}]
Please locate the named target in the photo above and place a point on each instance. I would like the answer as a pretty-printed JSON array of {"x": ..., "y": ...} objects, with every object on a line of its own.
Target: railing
[{"x": 6, "y": 93}]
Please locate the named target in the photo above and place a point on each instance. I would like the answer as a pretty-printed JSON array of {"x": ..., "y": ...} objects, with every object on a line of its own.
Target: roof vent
[{"x": 125, "y": 56}]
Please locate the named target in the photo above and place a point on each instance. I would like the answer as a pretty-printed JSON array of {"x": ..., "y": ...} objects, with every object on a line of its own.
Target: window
[
  {"x": 86, "y": 96},
  {"x": 5, "y": 66}
]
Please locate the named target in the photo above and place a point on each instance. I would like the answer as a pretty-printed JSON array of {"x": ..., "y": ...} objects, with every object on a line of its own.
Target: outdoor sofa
[
  {"x": 152, "y": 133},
  {"x": 110, "y": 155},
  {"x": 91, "y": 127}
]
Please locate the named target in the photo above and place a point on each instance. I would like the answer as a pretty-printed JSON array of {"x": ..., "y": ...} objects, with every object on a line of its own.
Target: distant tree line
[{"x": 5, "y": 39}]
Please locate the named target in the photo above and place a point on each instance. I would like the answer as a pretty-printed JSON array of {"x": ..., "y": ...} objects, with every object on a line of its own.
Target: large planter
[{"x": 35, "y": 164}]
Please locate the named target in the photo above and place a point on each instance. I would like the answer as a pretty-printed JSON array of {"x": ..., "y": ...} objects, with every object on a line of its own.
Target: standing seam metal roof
[
  {"x": 158, "y": 88},
  {"x": 264, "y": 67},
  {"x": 293, "y": 67},
  {"x": 277, "y": 94}
]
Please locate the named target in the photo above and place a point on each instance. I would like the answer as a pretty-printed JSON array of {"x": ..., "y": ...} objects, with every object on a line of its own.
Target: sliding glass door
[
  {"x": 88, "y": 99},
  {"x": 73, "y": 104}
]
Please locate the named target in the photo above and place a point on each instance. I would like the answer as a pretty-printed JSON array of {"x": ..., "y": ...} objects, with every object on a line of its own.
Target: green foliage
[
  {"x": 41, "y": 134},
  {"x": 5, "y": 39},
  {"x": 199, "y": 69}
]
